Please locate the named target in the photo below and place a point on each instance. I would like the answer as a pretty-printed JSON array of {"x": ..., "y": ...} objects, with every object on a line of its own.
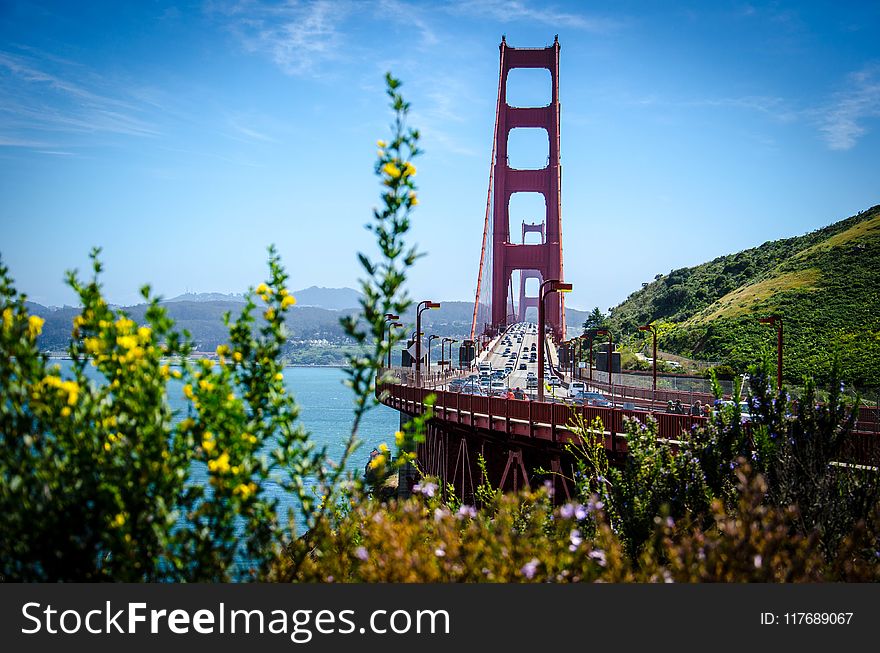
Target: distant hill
[
  {"x": 825, "y": 285},
  {"x": 335, "y": 299},
  {"x": 207, "y": 297},
  {"x": 203, "y": 318}
]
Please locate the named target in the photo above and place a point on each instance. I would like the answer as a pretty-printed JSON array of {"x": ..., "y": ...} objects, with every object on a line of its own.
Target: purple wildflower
[
  {"x": 428, "y": 489},
  {"x": 361, "y": 553},
  {"x": 530, "y": 568},
  {"x": 595, "y": 505},
  {"x": 467, "y": 512},
  {"x": 599, "y": 556},
  {"x": 576, "y": 539},
  {"x": 758, "y": 561}
]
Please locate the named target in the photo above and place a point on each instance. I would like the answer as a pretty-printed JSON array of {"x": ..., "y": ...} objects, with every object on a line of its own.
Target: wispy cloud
[
  {"x": 509, "y": 11},
  {"x": 440, "y": 111},
  {"x": 43, "y": 97},
  {"x": 843, "y": 120},
  {"x": 297, "y": 36}
]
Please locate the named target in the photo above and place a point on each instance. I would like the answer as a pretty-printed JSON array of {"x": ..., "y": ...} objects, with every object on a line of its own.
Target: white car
[{"x": 576, "y": 387}]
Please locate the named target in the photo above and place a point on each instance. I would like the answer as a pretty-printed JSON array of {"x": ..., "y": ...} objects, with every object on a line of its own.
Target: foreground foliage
[{"x": 97, "y": 474}]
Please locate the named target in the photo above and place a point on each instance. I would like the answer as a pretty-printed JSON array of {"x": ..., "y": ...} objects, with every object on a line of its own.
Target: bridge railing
[{"x": 553, "y": 421}]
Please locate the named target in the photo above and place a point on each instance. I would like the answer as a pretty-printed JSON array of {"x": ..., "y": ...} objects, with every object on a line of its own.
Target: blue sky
[{"x": 183, "y": 138}]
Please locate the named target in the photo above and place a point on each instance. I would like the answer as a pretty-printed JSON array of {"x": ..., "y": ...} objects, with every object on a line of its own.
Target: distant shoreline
[{"x": 65, "y": 357}]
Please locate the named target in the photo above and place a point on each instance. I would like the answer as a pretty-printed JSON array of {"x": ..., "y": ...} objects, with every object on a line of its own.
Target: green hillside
[{"x": 825, "y": 285}]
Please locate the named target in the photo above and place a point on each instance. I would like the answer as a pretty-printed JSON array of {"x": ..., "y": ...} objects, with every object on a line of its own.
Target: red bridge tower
[{"x": 500, "y": 256}]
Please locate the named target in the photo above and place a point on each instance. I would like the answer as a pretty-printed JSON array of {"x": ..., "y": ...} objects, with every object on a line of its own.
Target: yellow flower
[
  {"x": 377, "y": 462},
  {"x": 78, "y": 321},
  {"x": 65, "y": 412},
  {"x": 208, "y": 445},
  {"x": 106, "y": 446},
  {"x": 188, "y": 391},
  {"x": 176, "y": 374},
  {"x": 7, "y": 318},
  {"x": 222, "y": 350},
  {"x": 236, "y": 356},
  {"x": 72, "y": 390},
  {"x": 289, "y": 300},
  {"x": 269, "y": 314},
  {"x": 126, "y": 342},
  {"x": 119, "y": 520},
  {"x": 391, "y": 170},
  {"x": 52, "y": 381},
  {"x": 144, "y": 333},
  {"x": 207, "y": 386},
  {"x": 398, "y": 438},
  {"x": 165, "y": 371},
  {"x": 409, "y": 170},
  {"x": 245, "y": 490},
  {"x": 221, "y": 464},
  {"x": 124, "y": 325},
  {"x": 279, "y": 376},
  {"x": 35, "y": 326},
  {"x": 381, "y": 143},
  {"x": 413, "y": 199},
  {"x": 263, "y": 289},
  {"x": 383, "y": 448},
  {"x": 230, "y": 397}
]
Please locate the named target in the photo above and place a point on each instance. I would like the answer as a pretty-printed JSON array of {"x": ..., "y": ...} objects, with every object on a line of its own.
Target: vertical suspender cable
[{"x": 488, "y": 200}]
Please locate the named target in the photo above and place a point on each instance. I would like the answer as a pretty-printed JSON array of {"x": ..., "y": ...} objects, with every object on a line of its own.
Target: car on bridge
[
  {"x": 575, "y": 387},
  {"x": 498, "y": 388},
  {"x": 532, "y": 383},
  {"x": 523, "y": 366},
  {"x": 591, "y": 399}
]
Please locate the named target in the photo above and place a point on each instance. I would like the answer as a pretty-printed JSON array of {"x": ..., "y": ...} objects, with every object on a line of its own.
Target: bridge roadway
[{"x": 547, "y": 423}]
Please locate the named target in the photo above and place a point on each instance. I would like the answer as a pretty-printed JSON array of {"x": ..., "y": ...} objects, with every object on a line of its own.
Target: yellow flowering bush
[{"x": 96, "y": 468}]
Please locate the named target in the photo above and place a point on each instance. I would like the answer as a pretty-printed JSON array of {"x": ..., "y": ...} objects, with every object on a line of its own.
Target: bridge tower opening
[
  {"x": 501, "y": 256},
  {"x": 526, "y": 302}
]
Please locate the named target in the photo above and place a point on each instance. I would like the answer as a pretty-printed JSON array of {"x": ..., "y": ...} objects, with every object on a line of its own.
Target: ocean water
[{"x": 325, "y": 412}]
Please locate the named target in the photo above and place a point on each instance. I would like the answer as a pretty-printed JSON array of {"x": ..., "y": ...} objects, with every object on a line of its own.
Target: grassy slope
[{"x": 825, "y": 284}]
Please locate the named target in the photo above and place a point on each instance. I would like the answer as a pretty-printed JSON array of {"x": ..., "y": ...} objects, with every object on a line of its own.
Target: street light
[
  {"x": 390, "y": 318},
  {"x": 549, "y": 286},
  {"x": 653, "y": 330},
  {"x": 430, "y": 338},
  {"x": 777, "y": 320},
  {"x": 423, "y": 306},
  {"x": 391, "y": 326},
  {"x": 442, "y": 345},
  {"x": 589, "y": 337},
  {"x": 606, "y": 332}
]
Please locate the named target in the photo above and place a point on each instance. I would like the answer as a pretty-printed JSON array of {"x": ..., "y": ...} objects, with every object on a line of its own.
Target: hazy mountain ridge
[
  {"x": 825, "y": 285},
  {"x": 203, "y": 318}
]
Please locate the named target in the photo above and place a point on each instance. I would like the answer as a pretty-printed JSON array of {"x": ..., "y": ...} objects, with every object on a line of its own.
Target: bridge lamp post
[
  {"x": 390, "y": 318},
  {"x": 777, "y": 320},
  {"x": 442, "y": 345},
  {"x": 589, "y": 337},
  {"x": 653, "y": 330},
  {"x": 392, "y": 325},
  {"x": 549, "y": 286},
  {"x": 430, "y": 339},
  {"x": 606, "y": 332},
  {"x": 423, "y": 306}
]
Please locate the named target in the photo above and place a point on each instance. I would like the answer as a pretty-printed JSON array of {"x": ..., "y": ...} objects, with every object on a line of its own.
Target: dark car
[
  {"x": 522, "y": 366},
  {"x": 591, "y": 399}
]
